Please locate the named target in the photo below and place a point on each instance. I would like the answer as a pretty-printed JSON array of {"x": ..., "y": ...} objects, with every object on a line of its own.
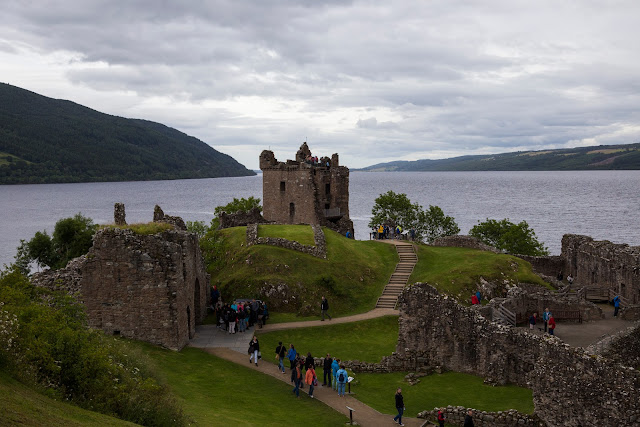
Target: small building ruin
[
  {"x": 152, "y": 288},
  {"x": 305, "y": 191}
]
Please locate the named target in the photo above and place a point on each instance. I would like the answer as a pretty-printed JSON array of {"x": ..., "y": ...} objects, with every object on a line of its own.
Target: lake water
[{"x": 601, "y": 204}]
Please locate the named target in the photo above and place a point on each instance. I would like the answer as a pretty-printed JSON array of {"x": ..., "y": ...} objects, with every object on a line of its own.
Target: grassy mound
[
  {"x": 456, "y": 271},
  {"x": 302, "y": 234},
  {"x": 26, "y": 407},
  {"x": 352, "y": 277}
]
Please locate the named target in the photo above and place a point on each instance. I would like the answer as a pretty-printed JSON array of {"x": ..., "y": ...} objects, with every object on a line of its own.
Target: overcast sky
[{"x": 372, "y": 80}]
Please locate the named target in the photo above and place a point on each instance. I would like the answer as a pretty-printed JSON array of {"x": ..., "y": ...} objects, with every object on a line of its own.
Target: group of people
[
  {"x": 303, "y": 370},
  {"x": 240, "y": 316},
  {"x": 383, "y": 231},
  {"x": 547, "y": 318},
  {"x": 315, "y": 161}
]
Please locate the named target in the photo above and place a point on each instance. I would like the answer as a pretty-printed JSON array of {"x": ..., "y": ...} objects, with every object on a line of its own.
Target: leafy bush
[
  {"x": 512, "y": 238},
  {"x": 72, "y": 237},
  {"x": 44, "y": 341}
]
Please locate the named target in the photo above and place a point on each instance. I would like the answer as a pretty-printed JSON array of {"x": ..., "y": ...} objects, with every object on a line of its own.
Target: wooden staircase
[{"x": 400, "y": 276}]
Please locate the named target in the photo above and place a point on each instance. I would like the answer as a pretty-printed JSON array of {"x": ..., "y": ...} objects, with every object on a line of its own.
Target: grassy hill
[
  {"x": 603, "y": 157},
  {"x": 45, "y": 140},
  {"x": 352, "y": 278}
]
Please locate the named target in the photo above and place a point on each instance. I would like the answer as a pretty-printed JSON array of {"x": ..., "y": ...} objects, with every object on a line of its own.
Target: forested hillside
[
  {"x": 45, "y": 140},
  {"x": 603, "y": 157}
]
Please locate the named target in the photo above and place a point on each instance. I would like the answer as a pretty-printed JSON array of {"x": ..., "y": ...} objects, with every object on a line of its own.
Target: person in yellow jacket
[
  {"x": 310, "y": 378},
  {"x": 380, "y": 231}
]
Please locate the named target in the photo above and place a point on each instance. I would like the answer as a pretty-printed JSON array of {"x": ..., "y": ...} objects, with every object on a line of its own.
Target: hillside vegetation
[
  {"x": 352, "y": 278},
  {"x": 603, "y": 157},
  {"x": 45, "y": 140}
]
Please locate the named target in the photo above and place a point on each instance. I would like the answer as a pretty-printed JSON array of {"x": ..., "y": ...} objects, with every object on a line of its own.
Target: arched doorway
[
  {"x": 292, "y": 212},
  {"x": 189, "y": 322}
]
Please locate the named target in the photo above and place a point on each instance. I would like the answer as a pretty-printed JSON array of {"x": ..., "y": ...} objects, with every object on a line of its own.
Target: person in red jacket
[
  {"x": 552, "y": 325},
  {"x": 474, "y": 299},
  {"x": 441, "y": 417}
]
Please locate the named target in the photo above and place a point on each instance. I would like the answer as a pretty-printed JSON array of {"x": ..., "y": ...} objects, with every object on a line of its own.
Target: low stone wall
[
  {"x": 570, "y": 387},
  {"x": 176, "y": 221},
  {"x": 625, "y": 347},
  {"x": 462, "y": 241},
  {"x": 631, "y": 312},
  {"x": 455, "y": 415},
  {"x": 319, "y": 250}
]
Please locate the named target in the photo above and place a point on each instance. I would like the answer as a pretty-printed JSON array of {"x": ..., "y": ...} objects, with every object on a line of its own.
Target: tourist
[
  {"x": 552, "y": 324},
  {"x": 335, "y": 365},
  {"x": 559, "y": 276},
  {"x": 232, "y": 319},
  {"x": 219, "y": 314},
  {"x": 241, "y": 315},
  {"x": 413, "y": 234},
  {"x": 545, "y": 318},
  {"x": 254, "y": 350},
  {"x": 441, "y": 417},
  {"x": 301, "y": 364},
  {"x": 280, "y": 353},
  {"x": 297, "y": 379},
  {"x": 291, "y": 355},
  {"x": 468, "y": 419},
  {"x": 532, "y": 320},
  {"x": 479, "y": 296},
  {"x": 399, "y": 407},
  {"x": 474, "y": 299},
  {"x": 348, "y": 234},
  {"x": 342, "y": 378},
  {"x": 326, "y": 368},
  {"x": 324, "y": 308},
  {"x": 570, "y": 279},
  {"x": 260, "y": 315},
  {"x": 309, "y": 361},
  {"x": 616, "y": 305},
  {"x": 310, "y": 378},
  {"x": 380, "y": 232}
]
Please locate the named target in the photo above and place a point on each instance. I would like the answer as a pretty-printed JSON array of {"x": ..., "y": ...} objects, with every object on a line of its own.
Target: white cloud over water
[{"x": 372, "y": 80}]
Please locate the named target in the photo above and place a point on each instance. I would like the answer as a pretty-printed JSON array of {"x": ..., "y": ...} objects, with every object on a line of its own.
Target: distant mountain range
[
  {"x": 45, "y": 140},
  {"x": 602, "y": 157}
]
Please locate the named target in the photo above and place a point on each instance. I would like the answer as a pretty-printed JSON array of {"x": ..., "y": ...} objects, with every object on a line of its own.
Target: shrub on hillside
[{"x": 44, "y": 341}]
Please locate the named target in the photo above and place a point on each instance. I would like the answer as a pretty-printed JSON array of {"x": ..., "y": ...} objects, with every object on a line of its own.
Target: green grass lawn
[
  {"x": 214, "y": 391},
  {"x": 352, "y": 278},
  {"x": 437, "y": 390},
  {"x": 455, "y": 271},
  {"x": 299, "y": 233},
  {"x": 367, "y": 340},
  {"x": 20, "y": 405}
]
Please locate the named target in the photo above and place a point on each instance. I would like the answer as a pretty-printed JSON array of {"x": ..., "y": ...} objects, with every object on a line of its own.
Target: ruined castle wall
[
  {"x": 570, "y": 388},
  {"x": 604, "y": 264},
  {"x": 299, "y": 188},
  {"x": 151, "y": 288},
  {"x": 319, "y": 250},
  {"x": 546, "y": 265},
  {"x": 462, "y": 241}
]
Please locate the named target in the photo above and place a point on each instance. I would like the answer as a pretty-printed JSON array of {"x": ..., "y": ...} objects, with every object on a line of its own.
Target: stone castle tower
[{"x": 301, "y": 191}]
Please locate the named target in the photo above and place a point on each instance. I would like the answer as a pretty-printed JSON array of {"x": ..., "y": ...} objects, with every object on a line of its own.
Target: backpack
[{"x": 341, "y": 377}]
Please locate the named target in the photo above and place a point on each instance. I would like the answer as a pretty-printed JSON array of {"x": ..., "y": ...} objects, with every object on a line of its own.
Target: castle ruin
[
  {"x": 151, "y": 288},
  {"x": 303, "y": 191}
]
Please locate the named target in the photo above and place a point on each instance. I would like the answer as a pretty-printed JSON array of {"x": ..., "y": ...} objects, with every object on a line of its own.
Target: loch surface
[{"x": 602, "y": 204}]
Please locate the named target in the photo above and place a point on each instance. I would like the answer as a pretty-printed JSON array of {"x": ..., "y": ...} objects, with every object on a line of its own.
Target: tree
[
  {"x": 433, "y": 223},
  {"x": 396, "y": 209},
  {"x": 197, "y": 227},
  {"x": 512, "y": 238},
  {"x": 72, "y": 237}
]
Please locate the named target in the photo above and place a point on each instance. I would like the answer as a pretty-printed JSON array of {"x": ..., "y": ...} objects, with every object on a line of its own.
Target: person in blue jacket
[
  {"x": 335, "y": 365},
  {"x": 292, "y": 356},
  {"x": 616, "y": 305},
  {"x": 341, "y": 378}
]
